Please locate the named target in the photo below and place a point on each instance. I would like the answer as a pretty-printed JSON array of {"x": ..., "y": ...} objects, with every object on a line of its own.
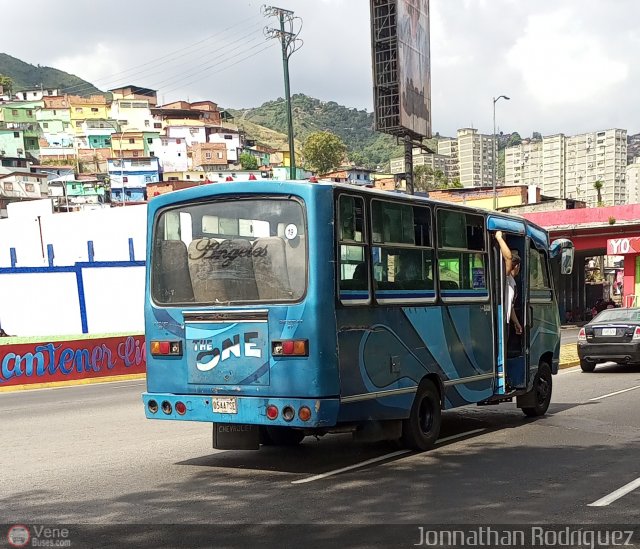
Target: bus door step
[{"x": 493, "y": 400}]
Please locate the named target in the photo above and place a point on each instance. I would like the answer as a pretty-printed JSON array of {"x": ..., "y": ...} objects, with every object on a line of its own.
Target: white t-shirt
[{"x": 510, "y": 294}]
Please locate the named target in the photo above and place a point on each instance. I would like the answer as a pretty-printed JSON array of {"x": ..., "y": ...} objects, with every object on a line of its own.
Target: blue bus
[{"x": 276, "y": 310}]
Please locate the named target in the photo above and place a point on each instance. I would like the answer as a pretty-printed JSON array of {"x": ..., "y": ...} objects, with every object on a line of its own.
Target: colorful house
[{"x": 129, "y": 178}]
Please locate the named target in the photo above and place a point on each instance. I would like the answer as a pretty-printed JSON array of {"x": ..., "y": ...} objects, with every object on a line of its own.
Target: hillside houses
[{"x": 124, "y": 138}]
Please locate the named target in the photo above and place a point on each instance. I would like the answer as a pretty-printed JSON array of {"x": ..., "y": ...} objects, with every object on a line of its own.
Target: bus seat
[
  {"x": 296, "y": 259},
  {"x": 270, "y": 268},
  {"x": 207, "y": 277},
  {"x": 171, "y": 273},
  {"x": 237, "y": 269}
]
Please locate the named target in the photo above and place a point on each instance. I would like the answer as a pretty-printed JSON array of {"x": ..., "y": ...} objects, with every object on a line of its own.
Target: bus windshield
[{"x": 229, "y": 251}]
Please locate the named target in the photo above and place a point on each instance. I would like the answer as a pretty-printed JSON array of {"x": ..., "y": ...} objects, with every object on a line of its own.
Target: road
[
  {"x": 569, "y": 335},
  {"x": 87, "y": 454}
]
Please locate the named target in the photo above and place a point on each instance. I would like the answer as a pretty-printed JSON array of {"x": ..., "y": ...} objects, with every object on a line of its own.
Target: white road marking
[
  {"x": 571, "y": 370},
  {"x": 616, "y": 393},
  {"x": 351, "y": 467},
  {"x": 613, "y": 496},
  {"x": 459, "y": 435},
  {"x": 377, "y": 459}
]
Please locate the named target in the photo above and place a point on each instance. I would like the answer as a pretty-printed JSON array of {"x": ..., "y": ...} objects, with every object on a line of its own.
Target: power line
[
  {"x": 171, "y": 55},
  {"x": 189, "y": 72},
  {"x": 222, "y": 69}
]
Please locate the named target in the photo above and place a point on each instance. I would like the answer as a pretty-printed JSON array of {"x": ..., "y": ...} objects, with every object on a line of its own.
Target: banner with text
[{"x": 60, "y": 360}]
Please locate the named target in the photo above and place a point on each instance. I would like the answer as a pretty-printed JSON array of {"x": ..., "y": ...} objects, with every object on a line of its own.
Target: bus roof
[{"x": 271, "y": 185}]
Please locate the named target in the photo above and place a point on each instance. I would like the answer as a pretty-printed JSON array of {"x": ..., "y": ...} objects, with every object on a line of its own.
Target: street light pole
[{"x": 495, "y": 151}]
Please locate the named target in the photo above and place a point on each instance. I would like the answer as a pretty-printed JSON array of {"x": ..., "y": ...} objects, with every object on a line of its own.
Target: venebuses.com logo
[{"x": 18, "y": 535}]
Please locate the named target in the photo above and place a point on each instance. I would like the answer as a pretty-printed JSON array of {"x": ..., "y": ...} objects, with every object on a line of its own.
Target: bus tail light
[
  {"x": 304, "y": 413},
  {"x": 181, "y": 408},
  {"x": 290, "y": 347},
  {"x": 152, "y": 406},
  {"x": 636, "y": 333},
  {"x": 166, "y": 407},
  {"x": 166, "y": 348},
  {"x": 272, "y": 411},
  {"x": 582, "y": 335}
]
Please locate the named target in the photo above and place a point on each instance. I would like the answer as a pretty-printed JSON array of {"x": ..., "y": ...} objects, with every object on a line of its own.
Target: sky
[{"x": 568, "y": 65}]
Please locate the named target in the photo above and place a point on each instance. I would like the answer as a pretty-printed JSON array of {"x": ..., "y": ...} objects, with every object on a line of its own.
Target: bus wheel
[
  {"x": 281, "y": 436},
  {"x": 421, "y": 429},
  {"x": 542, "y": 386}
]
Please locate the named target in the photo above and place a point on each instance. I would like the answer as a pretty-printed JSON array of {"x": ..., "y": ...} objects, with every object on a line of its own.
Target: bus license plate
[
  {"x": 608, "y": 331},
  {"x": 225, "y": 405}
]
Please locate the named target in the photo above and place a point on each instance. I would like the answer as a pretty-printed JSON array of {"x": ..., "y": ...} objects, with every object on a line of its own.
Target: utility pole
[
  {"x": 408, "y": 164},
  {"x": 290, "y": 43}
]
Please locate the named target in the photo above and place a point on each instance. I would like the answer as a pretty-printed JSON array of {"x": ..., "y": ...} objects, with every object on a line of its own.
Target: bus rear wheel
[
  {"x": 542, "y": 387},
  {"x": 280, "y": 436},
  {"x": 421, "y": 429}
]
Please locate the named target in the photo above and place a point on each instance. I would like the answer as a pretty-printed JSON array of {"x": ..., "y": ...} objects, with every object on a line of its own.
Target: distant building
[
  {"x": 36, "y": 94},
  {"x": 129, "y": 178},
  {"x": 633, "y": 181},
  {"x": 352, "y": 175},
  {"x": 569, "y": 166},
  {"x": 468, "y": 158},
  {"x": 21, "y": 185}
]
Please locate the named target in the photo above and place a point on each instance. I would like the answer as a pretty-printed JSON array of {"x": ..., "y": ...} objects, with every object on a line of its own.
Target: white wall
[
  {"x": 39, "y": 304},
  {"x": 108, "y": 228},
  {"x": 44, "y": 304},
  {"x": 114, "y": 298}
]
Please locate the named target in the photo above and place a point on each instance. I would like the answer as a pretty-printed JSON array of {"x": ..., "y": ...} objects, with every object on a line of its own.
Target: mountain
[
  {"x": 355, "y": 127},
  {"x": 27, "y": 76}
]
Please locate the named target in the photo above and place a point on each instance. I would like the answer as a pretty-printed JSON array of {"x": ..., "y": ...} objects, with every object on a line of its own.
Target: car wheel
[
  {"x": 542, "y": 389},
  {"x": 421, "y": 429},
  {"x": 587, "y": 366}
]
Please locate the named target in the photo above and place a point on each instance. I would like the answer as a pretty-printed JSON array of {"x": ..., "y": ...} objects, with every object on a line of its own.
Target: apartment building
[
  {"x": 523, "y": 163},
  {"x": 475, "y": 158},
  {"x": 568, "y": 167},
  {"x": 633, "y": 181},
  {"x": 437, "y": 162},
  {"x": 598, "y": 156},
  {"x": 449, "y": 149}
]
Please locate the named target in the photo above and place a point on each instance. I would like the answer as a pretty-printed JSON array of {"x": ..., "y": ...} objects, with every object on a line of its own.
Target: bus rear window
[{"x": 230, "y": 251}]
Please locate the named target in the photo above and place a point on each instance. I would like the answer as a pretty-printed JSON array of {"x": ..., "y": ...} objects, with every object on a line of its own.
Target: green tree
[
  {"x": 598, "y": 187},
  {"x": 455, "y": 184},
  {"x": 248, "y": 161},
  {"x": 323, "y": 151},
  {"x": 514, "y": 139},
  {"x": 423, "y": 178},
  {"x": 6, "y": 84}
]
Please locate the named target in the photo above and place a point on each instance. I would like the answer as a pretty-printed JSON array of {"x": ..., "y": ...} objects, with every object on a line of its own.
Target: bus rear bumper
[{"x": 248, "y": 410}]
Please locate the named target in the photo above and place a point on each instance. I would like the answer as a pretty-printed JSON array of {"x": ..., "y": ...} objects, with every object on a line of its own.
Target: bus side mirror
[{"x": 563, "y": 248}]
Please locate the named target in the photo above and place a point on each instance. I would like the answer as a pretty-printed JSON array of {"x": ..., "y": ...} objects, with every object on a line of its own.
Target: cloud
[
  {"x": 561, "y": 64},
  {"x": 568, "y": 66}
]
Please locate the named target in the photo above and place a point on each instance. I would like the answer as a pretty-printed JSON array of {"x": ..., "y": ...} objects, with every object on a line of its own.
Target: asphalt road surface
[
  {"x": 569, "y": 335},
  {"x": 87, "y": 454}
]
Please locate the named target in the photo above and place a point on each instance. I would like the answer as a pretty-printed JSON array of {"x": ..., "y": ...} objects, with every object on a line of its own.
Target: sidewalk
[{"x": 569, "y": 355}]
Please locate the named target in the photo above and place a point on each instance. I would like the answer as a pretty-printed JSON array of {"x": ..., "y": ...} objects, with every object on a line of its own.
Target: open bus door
[{"x": 511, "y": 367}]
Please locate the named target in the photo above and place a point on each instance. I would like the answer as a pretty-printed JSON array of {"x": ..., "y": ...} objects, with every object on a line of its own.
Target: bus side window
[
  {"x": 462, "y": 257},
  {"x": 353, "y": 258}
]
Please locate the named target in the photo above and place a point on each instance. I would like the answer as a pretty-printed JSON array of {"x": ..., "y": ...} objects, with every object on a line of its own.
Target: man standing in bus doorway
[{"x": 512, "y": 266}]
